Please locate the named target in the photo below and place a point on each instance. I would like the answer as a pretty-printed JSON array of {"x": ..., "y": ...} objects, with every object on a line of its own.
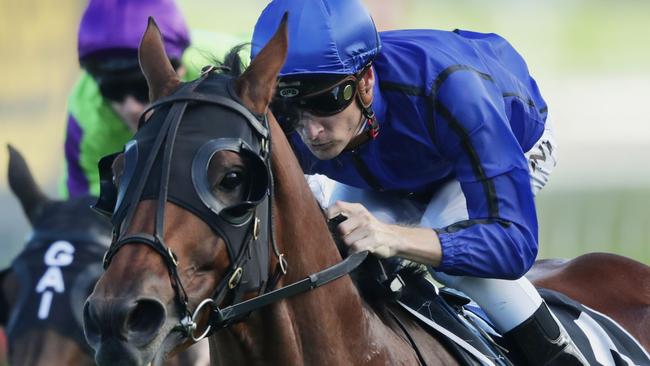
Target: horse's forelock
[{"x": 233, "y": 60}]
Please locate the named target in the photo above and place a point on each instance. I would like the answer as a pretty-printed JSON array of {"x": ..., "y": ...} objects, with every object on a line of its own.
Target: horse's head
[
  {"x": 43, "y": 292},
  {"x": 189, "y": 207}
]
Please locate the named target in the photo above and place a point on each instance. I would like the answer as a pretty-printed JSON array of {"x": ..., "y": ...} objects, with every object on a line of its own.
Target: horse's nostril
[
  {"x": 145, "y": 320},
  {"x": 91, "y": 326}
]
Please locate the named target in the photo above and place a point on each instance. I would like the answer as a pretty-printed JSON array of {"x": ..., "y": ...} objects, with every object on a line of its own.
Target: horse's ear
[
  {"x": 159, "y": 72},
  {"x": 22, "y": 184},
  {"x": 256, "y": 86}
]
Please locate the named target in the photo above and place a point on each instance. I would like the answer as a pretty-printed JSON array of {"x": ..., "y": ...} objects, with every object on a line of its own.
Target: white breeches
[{"x": 507, "y": 303}]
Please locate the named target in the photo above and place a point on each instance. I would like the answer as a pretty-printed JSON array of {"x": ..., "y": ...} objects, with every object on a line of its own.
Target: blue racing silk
[{"x": 453, "y": 105}]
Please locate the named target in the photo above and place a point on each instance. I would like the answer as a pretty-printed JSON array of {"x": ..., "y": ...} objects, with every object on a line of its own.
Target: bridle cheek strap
[{"x": 170, "y": 259}]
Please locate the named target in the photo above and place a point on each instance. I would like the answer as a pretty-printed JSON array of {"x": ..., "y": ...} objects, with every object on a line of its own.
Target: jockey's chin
[
  {"x": 326, "y": 150},
  {"x": 129, "y": 111}
]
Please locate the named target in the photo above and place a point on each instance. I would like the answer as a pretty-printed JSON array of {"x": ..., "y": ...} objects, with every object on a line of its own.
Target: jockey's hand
[{"x": 362, "y": 231}]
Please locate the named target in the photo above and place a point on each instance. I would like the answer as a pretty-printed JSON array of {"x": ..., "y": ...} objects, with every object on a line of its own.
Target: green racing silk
[{"x": 94, "y": 130}]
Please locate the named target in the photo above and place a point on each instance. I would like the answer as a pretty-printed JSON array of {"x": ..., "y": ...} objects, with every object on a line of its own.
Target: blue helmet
[{"x": 325, "y": 36}]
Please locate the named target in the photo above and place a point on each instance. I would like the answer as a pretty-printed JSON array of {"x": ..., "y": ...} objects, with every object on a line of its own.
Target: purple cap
[{"x": 119, "y": 25}]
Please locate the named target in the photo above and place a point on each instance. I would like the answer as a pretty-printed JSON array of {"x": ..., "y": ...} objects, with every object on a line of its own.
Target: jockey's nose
[
  {"x": 137, "y": 321},
  {"x": 129, "y": 110},
  {"x": 311, "y": 129}
]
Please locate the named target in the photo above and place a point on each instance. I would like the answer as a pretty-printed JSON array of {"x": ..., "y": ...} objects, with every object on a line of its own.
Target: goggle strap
[{"x": 330, "y": 87}]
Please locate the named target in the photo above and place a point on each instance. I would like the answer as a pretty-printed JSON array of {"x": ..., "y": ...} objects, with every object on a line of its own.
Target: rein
[{"x": 222, "y": 318}]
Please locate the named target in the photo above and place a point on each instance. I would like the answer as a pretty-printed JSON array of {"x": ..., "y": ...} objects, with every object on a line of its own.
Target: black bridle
[{"x": 246, "y": 228}]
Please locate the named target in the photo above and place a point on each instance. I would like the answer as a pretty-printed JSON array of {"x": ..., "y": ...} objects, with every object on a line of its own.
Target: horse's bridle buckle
[
  {"x": 256, "y": 228},
  {"x": 234, "y": 279},
  {"x": 172, "y": 256}
]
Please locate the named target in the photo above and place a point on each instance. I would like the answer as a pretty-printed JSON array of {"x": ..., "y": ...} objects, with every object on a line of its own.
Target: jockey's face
[
  {"x": 327, "y": 136},
  {"x": 129, "y": 110},
  {"x": 128, "y": 98}
]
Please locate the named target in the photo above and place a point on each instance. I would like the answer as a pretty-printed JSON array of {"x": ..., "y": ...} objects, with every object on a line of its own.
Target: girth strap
[
  {"x": 480, "y": 357},
  {"x": 408, "y": 336}
]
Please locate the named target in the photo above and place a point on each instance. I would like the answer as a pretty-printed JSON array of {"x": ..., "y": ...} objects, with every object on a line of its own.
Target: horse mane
[
  {"x": 233, "y": 60},
  {"x": 232, "y": 63}
]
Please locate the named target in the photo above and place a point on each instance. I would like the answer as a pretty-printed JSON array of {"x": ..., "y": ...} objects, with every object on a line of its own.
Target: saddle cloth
[{"x": 469, "y": 335}]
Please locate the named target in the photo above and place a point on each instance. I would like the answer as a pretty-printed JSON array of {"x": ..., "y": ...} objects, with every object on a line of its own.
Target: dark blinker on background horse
[
  {"x": 188, "y": 181},
  {"x": 43, "y": 292}
]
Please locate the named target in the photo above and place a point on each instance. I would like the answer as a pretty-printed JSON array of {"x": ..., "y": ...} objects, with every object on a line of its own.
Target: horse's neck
[
  {"x": 328, "y": 324},
  {"x": 299, "y": 222},
  {"x": 305, "y": 238}
]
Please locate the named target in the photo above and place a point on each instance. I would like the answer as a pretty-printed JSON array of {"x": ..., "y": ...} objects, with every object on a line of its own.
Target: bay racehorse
[
  {"x": 217, "y": 234},
  {"x": 43, "y": 292},
  {"x": 611, "y": 284}
]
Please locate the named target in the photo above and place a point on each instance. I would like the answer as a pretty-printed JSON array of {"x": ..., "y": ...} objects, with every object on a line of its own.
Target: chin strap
[
  {"x": 371, "y": 121},
  {"x": 369, "y": 128}
]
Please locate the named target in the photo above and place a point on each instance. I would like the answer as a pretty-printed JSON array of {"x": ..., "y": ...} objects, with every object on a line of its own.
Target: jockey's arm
[
  {"x": 362, "y": 231},
  {"x": 498, "y": 236}
]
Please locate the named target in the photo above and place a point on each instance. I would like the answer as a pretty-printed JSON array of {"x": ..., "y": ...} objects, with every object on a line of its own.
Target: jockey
[
  {"x": 442, "y": 132},
  {"x": 111, "y": 93}
]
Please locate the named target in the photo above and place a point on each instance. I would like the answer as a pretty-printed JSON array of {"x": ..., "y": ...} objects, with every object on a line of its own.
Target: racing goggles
[
  {"x": 318, "y": 95},
  {"x": 117, "y": 76},
  {"x": 120, "y": 77},
  {"x": 118, "y": 88}
]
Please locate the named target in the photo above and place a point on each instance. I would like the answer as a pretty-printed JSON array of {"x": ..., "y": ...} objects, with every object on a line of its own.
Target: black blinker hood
[{"x": 214, "y": 120}]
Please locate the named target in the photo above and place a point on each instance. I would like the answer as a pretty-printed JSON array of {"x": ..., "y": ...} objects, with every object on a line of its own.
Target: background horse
[
  {"x": 609, "y": 283},
  {"x": 44, "y": 290},
  {"x": 172, "y": 253}
]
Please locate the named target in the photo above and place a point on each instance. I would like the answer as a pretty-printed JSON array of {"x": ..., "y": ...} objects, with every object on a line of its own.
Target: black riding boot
[{"x": 542, "y": 341}]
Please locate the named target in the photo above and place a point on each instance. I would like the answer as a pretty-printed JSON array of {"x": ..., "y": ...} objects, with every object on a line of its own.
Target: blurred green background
[{"x": 590, "y": 59}]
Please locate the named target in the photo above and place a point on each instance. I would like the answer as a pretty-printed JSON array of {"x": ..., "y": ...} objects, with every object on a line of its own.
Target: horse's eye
[{"x": 231, "y": 181}]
